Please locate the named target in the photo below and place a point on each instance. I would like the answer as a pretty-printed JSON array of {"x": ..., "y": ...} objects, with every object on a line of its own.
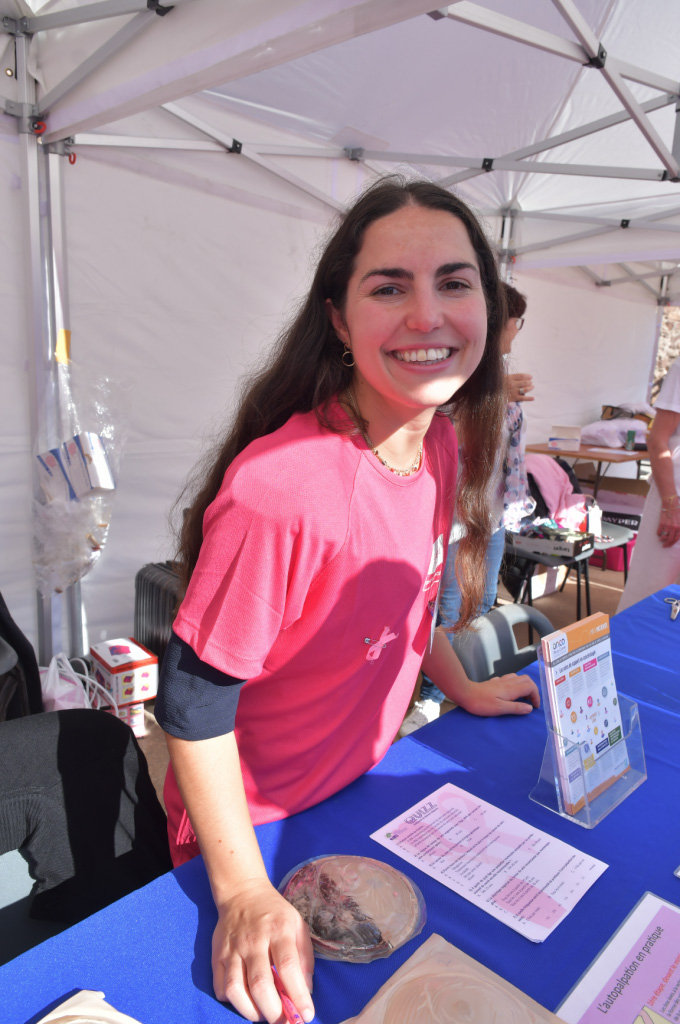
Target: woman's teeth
[{"x": 423, "y": 355}]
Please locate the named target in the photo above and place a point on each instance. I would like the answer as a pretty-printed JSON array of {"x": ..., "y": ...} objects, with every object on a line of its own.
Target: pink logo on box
[
  {"x": 128, "y": 691},
  {"x": 128, "y": 678},
  {"x": 117, "y": 649}
]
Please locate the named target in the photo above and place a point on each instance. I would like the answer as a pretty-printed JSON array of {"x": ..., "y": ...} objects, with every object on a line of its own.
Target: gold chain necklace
[{"x": 398, "y": 472}]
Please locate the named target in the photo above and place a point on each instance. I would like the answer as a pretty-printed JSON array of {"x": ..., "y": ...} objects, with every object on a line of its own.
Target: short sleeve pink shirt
[{"x": 316, "y": 582}]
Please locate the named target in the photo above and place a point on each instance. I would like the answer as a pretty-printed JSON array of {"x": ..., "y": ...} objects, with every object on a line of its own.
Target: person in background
[
  {"x": 313, "y": 553},
  {"x": 513, "y": 503},
  {"x": 656, "y": 557}
]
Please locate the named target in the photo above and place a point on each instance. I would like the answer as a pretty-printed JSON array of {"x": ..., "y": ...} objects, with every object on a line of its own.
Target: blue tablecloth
[
  {"x": 646, "y": 643},
  {"x": 150, "y": 953}
]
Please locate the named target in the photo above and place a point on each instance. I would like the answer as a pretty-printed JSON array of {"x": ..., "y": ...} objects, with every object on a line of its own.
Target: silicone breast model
[{"x": 357, "y": 908}]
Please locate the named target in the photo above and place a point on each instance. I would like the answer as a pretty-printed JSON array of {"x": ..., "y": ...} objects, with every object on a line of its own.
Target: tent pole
[
  {"x": 507, "y": 229},
  {"x": 49, "y": 607},
  {"x": 60, "y": 322},
  {"x": 47, "y": 292},
  {"x": 662, "y": 303}
]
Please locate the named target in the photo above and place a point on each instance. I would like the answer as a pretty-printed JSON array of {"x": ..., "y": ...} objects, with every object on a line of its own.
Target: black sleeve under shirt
[{"x": 195, "y": 701}]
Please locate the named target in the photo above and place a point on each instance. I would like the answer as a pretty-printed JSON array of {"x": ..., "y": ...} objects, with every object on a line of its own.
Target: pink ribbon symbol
[{"x": 377, "y": 646}]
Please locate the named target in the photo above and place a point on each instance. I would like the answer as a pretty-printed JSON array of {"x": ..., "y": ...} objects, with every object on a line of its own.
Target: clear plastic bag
[
  {"x": 77, "y": 465},
  {"x": 358, "y": 909},
  {"x": 64, "y": 689}
]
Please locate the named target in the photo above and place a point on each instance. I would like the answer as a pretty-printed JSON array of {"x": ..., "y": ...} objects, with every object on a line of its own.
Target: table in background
[
  {"x": 592, "y": 453},
  {"x": 150, "y": 953}
]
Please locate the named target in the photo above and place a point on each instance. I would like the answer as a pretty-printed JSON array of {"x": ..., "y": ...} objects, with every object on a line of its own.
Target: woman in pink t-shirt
[{"x": 312, "y": 555}]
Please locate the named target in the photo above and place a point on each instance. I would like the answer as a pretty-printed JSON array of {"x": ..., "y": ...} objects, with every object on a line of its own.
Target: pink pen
[{"x": 289, "y": 1011}]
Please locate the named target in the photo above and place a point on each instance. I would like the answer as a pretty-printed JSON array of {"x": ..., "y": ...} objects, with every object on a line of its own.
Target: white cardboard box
[
  {"x": 96, "y": 461},
  {"x": 76, "y": 468},
  {"x": 53, "y": 476},
  {"x": 127, "y": 669},
  {"x": 133, "y": 715},
  {"x": 565, "y": 439}
]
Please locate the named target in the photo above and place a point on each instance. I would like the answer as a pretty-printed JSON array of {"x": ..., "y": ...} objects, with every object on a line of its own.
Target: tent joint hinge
[
  {"x": 62, "y": 147},
  {"x": 26, "y": 114},
  {"x": 487, "y": 163},
  {"x": 624, "y": 223},
  {"x": 603, "y": 284},
  {"x": 441, "y": 12},
  {"x": 235, "y": 147},
  {"x": 160, "y": 9},
  {"x": 599, "y": 60},
  {"x": 16, "y": 26},
  {"x": 355, "y": 154},
  {"x": 663, "y": 300}
]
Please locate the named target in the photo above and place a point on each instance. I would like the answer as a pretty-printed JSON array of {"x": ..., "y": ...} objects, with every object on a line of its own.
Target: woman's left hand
[{"x": 502, "y": 695}]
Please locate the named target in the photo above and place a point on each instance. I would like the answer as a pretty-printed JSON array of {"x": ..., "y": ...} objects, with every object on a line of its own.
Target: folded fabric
[
  {"x": 555, "y": 486},
  {"x": 85, "y": 1007},
  {"x": 612, "y": 433}
]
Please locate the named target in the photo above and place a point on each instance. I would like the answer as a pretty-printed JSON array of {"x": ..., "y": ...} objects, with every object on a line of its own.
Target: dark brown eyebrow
[
  {"x": 399, "y": 272},
  {"x": 453, "y": 268}
]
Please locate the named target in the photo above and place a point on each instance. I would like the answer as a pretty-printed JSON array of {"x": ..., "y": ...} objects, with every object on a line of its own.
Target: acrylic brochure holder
[{"x": 572, "y": 784}]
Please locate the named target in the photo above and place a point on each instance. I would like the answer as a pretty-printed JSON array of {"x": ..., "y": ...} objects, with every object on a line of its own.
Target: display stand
[{"x": 563, "y": 755}]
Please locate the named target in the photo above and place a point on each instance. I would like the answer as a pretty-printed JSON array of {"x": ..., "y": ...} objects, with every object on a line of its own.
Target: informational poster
[
  {"x": 636, "y": 977},
  {"x": 520, "y": 875},
  {"x": 583, "y": 710}
]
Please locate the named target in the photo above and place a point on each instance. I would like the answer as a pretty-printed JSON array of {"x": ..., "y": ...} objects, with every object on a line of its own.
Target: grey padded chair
[{"x": 489, "y": 648}]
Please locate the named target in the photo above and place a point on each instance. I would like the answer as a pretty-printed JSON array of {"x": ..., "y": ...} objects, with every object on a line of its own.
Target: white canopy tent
[{"x": 213, "y": 143}]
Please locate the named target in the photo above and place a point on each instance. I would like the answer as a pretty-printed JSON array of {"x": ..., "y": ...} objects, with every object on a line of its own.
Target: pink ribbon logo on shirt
[{"x": 378, "y": 646}]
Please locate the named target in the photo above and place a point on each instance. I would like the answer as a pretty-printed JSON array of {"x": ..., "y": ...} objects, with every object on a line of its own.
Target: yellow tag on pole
[{"x": 62, "y": 353}]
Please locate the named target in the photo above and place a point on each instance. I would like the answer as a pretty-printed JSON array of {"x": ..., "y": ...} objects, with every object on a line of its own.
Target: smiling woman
[
  {"x": 415, "y": 320},
  {"x": 312, "y": 555}
]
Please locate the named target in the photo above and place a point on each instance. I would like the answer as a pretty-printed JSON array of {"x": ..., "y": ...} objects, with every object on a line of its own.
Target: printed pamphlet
[
  {"x": 636, "y": 977},
  {"x": 520, "y": 875},
  {"x": 582, "y": 710}
]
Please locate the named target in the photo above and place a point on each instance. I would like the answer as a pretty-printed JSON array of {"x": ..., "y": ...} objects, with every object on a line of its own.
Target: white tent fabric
[{"x": 183, "y": 257}]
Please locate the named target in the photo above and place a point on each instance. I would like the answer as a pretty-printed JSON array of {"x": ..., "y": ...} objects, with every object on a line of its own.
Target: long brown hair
[{"x": 304, "y": 372}]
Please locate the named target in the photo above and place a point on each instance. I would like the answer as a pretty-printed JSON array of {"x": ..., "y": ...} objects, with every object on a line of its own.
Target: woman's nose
[{"x": 424, "y": 313}]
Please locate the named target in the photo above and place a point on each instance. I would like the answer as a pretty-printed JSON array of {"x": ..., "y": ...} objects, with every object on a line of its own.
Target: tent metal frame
[
  {"x": 47, "y": 313},
  {"x": 585, "y": 50},
  {"x": 43, "y": 195}
]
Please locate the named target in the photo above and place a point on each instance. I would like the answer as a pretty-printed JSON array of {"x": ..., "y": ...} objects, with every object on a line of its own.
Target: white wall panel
[
  {"x": 585, "y": 346},
  {"x": 16, "y": 571},
  {"x": 177, "y": 293}
]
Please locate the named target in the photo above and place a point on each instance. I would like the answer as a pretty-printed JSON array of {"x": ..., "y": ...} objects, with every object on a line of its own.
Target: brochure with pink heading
[
  {"x": 636, "y": 977},
  {"x": 520, "y": 875}
]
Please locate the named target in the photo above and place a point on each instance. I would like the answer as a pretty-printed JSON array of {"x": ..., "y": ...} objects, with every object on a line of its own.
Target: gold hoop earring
[{"x": 347, "y": 352}]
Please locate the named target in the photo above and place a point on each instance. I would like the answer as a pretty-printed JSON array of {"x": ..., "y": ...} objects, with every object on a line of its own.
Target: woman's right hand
[
  {"x": 256, "y": 928},
  {"x": 668, "y": 530},
  {"x": 519, "y": 385}
]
